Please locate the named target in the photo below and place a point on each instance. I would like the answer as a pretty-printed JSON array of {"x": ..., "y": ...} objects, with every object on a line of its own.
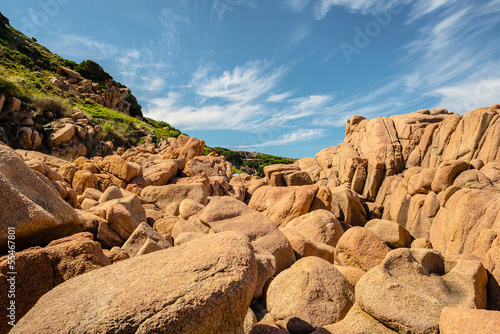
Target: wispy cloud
[
  {"x": 424, "y": 7},
  {"x": 233, "y": 116},
  {"x": 299, "y": 34},
  {"x": 363, "y": 6},
  {"x": 442, "y": 34},
  {"x": 305, "y": 107},
  {"x": 279, "y": 97},
  {"x": 289, "y": 138},
  {"x": 170, "y": 22},
  {"x": 81, "y": 47},
  {"x": 154, "y": 84},
  {"x": 448, "y": 52},
  {"x": 296, "y": 5},
  {"x": 242, "y": 84},
  {"x": 447, "y": 63}
]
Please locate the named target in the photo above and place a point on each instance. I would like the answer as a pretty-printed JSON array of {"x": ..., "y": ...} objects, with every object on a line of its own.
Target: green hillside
[{"x": 25, "y": 71}]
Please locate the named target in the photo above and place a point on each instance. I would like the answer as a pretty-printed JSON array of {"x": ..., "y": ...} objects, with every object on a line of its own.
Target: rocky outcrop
[
  {"x": 294, "y": 245},
  {"x": 376, "y": 149},
  {"x": 65, "y": 135},
  {"x": 228, "y": 214},
  {"x": 111, "y": 97}
]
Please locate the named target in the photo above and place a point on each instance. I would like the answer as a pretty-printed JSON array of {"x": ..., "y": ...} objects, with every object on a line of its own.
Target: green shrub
[
  {"x": 8, "y": 88},
  {"x": 93, "y": 71},
  {"x": 233, "y": 157},
  {"x": 135, "y": 107},
  {"x": 59, "y": 107}
]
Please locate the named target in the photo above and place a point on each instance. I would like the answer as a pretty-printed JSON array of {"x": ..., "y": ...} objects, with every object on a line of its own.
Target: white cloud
[
  {"x": 296, "y": 5},
  {"x": 464, "y": 97},
  {"x": 304, "y": 107},
  {"x": 312, "y": 102},
  {"x": 279, "y": 97},
  {"x": 448, "y": 55},
  {"x": 363, "y": 6},
  {"x": 243, "y": 84},
  {"x": 153, "y": 84},
  {"x": 289, "y": 138},
  {"x": 234, "y": 116}
]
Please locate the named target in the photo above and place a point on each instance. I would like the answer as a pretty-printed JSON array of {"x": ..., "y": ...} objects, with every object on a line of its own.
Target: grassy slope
[{"x": 25, "y": 69}]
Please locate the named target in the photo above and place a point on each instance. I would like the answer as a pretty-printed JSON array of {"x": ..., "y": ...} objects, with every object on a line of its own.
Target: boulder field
[{"x": 395, "y": 230}]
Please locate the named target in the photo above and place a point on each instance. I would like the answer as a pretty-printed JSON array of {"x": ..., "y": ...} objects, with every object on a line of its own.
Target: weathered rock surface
[
  {"x": 492, "y": 264},
  {"x": 189, "y": 207},
  {"x": 309, "y": 295},
  {"x": 165, "y": 291},
  {"x": 393, "y": 234},
  {"x": 228, "y": 214},
  {"x": 162, "y": 196},
  {"x": 351, "y": 274},
  {"x": 356, "y": 322},
  {"x": 360, "y": 248},
  {"x": 347, "y": 206},
  {"x": 184, "y": 147},
  {"x": 459, "y": 223},
  {"x": 124, "y": 170},
  {"x": 462, "y": 320},
  {"x": 31, "y": 206},
  {"x": 283, "y": 204},
  {"x": 413, "y": 282},
  {"x": 303, "y": 246},
  {"x": 38, "y": 270},
  {"x": 144, "y": 240},
  {"x": 266, "y": 327},
  {"x": 320, "y": 226}
]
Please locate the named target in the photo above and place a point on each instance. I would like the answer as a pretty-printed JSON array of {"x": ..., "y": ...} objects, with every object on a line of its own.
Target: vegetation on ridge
[{"x": 248, "y": 162}]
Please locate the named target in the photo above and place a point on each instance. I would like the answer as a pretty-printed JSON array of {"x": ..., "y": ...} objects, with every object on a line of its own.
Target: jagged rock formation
[
  {"x": 376, "y": 149},
  {"x": 111, "y": 97}
]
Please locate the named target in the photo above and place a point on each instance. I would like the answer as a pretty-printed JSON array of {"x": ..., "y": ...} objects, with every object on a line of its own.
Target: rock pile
[
  {"x": 56, "y": 133},
  {"x": 393, "y": 231}
]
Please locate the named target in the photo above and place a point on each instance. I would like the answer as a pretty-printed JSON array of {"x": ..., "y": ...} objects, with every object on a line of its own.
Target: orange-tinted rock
[
  {"x": 360, "y": 248},
  {"x": 283, "y": 204}
]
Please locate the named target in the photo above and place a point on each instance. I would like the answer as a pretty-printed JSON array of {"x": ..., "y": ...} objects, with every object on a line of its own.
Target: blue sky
[{"x": 279, "y": 76}]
